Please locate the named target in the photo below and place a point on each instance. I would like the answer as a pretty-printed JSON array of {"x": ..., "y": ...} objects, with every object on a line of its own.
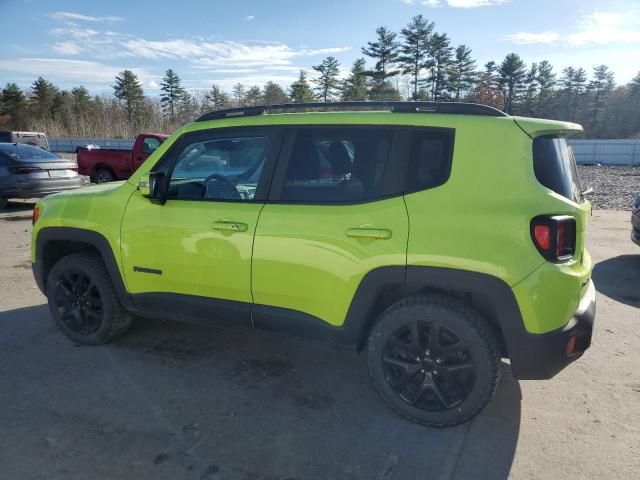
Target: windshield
[
  {"x": 22, "y": 152},
  {"x": 555, "y": 167}
]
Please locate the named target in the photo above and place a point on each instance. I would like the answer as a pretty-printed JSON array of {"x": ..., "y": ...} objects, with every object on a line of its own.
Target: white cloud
[
  {"x": 474, "y": 3},
  {"x": 522, "y": 38},
  {"x": 78, "y": 33},
  {"x": 153, "y": 85},
  {"x": 67, "y": 48},
  {"x": 69, "y": 72},
  {"x": 79, "y": 17},
  {"x": 248, "y": 18},
  {"x": 458, "y": 3},
  {"x": 597, "y": 28},
  {"x": 600, "y": 28}
]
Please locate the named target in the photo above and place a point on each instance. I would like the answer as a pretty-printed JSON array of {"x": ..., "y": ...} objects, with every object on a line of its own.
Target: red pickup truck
[{"x": 108, "y": 164}]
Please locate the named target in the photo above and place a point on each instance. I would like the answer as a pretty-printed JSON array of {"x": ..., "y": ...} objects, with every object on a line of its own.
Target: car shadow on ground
[
  {"x": 618, "y": 278},
  {"x": 16, "y": 207},
  {"x": 196, "y": 402}
]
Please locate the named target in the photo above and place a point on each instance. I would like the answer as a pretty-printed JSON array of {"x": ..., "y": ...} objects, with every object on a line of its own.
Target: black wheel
[
  {"x": 433, "y": 360},
  {"x": 83, "y": 302},
  {"x": 103, "y": 176}
]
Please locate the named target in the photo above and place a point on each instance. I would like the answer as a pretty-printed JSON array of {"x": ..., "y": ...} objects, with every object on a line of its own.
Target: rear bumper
[
  {"x": 39, "y": 188},
  {"x": 541, "y": 356}
]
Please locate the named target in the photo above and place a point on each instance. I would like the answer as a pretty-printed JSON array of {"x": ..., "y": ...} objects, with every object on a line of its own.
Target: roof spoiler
[{"x": 535, "y": 127}]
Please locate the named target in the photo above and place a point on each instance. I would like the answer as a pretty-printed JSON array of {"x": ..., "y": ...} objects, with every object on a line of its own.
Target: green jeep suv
[{"x": 437, "y": 237}]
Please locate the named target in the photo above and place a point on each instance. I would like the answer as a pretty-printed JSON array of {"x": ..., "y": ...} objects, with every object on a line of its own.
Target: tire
[
  {"x": 102, "y": 175},
  {"x": 444, "y": 379},
  {"x": 83, "y": 301}
]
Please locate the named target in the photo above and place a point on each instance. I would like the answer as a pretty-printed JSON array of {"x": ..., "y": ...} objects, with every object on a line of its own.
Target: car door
[
  {"x": 191, "y": 257},
  {"x": 335, "y": 213}
]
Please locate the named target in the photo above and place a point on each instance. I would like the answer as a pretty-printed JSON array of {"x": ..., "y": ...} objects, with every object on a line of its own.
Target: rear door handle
[
  {"x": 229, "y": 226},
  {"x": 366, "y": 232}
]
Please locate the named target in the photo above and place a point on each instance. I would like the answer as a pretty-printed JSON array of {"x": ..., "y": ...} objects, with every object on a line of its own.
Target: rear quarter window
[
  {"x": 430, "y": 157},
  {"x": 555, "y": 166}
]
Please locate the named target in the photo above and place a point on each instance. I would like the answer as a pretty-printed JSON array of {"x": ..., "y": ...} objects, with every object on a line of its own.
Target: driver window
[{"x": 220, "y": 169}]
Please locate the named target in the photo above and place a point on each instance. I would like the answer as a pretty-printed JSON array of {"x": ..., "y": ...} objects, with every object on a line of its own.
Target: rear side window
[
  {"x": 555, "y": 167},
  {"x": 340, "y": 165},
  {"x": 430, "y": 158},
  {"x": 150, "y": 144}
]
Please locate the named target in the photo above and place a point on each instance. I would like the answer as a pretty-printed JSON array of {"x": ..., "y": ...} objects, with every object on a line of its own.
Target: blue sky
[{"x": 82, "y": 42}]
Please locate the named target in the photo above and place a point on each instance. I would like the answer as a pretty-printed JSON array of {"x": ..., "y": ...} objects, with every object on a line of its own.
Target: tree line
[{"x": 417, "y": 63}]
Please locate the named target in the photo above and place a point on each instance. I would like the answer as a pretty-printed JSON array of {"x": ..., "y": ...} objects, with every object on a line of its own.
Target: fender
[{"x": 88, "y": 237}]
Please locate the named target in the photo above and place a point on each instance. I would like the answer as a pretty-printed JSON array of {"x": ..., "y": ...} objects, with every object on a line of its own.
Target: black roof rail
[{"x": 458, "y": 108}]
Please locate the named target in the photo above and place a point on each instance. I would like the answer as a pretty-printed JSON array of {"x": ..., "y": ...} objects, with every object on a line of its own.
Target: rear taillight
[
  {"x": 36, "y": 214},
  {"x": 23, "y": 170},
  {"x": 554, "y": 236}
]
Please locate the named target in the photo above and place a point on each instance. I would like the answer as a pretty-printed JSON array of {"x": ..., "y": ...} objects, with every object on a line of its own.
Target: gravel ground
[{"x": 615, "y": 188}]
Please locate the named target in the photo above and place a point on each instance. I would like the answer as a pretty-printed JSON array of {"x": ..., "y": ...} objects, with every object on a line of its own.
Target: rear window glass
[
  {"x": 27, "y": 152},
  {"x": 555, "y": 167},
  {"x": 430, "y": 159},
  {"x": 339, "y": 165}
]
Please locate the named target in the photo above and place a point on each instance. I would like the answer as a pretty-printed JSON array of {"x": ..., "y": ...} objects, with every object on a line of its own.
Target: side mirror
[{"x": 154, "y": 187}]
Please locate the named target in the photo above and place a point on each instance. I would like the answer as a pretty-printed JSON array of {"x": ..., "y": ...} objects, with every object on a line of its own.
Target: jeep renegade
[{"x": 436, "y": 237}]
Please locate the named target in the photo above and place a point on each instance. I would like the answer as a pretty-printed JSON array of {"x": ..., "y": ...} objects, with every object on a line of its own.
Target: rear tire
[
  {"x": 83, "y": 301},
  {"x": 103, "y": 175},
  {"x": 433, "y": 360}
]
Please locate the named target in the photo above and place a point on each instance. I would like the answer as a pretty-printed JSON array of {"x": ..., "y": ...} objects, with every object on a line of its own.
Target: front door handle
[
  {"x": 229, "y": 226},
  {"x": 368, "y": 232}
]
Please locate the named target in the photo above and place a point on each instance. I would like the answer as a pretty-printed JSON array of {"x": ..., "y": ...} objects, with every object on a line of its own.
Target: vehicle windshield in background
[
  {"x": 21, "y": 151},
  {"x": 555, "y": 167}
]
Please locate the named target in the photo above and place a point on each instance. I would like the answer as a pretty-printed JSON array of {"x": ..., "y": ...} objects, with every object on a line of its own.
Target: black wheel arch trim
[{"x": 89, "y": 237}]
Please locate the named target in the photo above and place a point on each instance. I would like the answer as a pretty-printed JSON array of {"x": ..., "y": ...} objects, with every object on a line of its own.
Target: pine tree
[
  {"x": 512, "y": 72},
  {"x": 129, "y": 91},
  {"x": 414, "y": 51},
  {"x": 546, "y": 81},
  {"x": 634, "y": 85},
  {"x": 41, "y": 98},
  {"x": 272, "y": 93},
  {"x": 253, "y": 96},
  {"x": 328, "y": 80},
  {"x": 12, "y": 106},
  {"x": 216, "y": 99},
  {"x": 239, "y": 95},
  {"x": 462, "y": 73},
  {"x": 599, "y": 87},
  {"x": 531, "y": 91},
  {"x": 355, "y": 86},
  {"x": 173, "y": 93},
  {"x": 385, "y": 51},
  {"x": 441, "y": 53},
  {"x": 300, "y": 90}
]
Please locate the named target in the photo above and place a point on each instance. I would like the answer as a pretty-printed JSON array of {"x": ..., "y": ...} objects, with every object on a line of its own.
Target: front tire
[
  {"x": 83, "y": 301},
  {"x": 433, "y": 360}
]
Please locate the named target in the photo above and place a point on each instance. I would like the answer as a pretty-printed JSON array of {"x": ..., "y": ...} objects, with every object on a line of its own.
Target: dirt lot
[{"x": 182, "y": 401}]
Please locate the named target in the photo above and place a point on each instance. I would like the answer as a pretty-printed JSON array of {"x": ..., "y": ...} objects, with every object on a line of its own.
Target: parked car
[
  {"x": 27, "y": 171},
  {"x": 38, "y": 139},
  {"x": 109, "y": 164},
  {"x": 446, "y": 236},
  {"x": 635, "y": 222}
]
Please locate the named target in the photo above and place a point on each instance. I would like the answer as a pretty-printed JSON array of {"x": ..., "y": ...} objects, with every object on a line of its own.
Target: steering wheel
[{"x": 223, "y": 189}]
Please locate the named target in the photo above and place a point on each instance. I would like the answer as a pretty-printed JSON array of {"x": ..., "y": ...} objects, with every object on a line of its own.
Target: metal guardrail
[
  {"x": 605, "y": 152},
  {"x": 70, "y": 144}
]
